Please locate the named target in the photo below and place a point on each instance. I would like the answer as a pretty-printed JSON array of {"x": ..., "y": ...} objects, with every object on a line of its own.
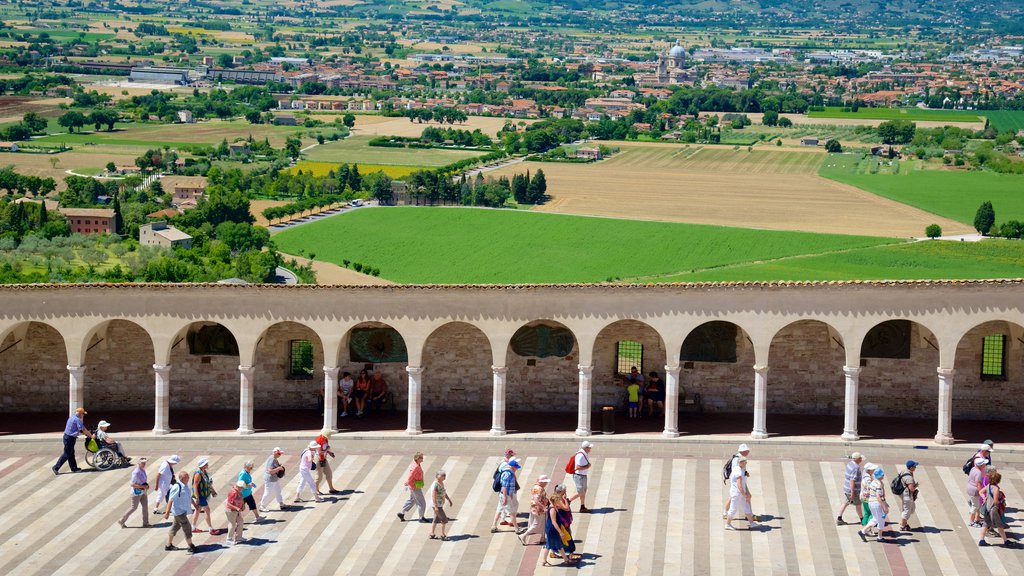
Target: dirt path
[{"x": 328, "y": 274}]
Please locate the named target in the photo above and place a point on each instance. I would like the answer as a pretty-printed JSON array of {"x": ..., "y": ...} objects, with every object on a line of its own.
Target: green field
[
  {"x": 325, "y": 168},
  {"x": 898, "y": 114},
  {"x": 463, "y": 245},
  {"x": 926, "y": 260},
  {"x": 1004, "y": 120},
  {"x": 355, "y": 150},
  {"x": 955, "y": 194},
  {"x": 210, "y": 132}
]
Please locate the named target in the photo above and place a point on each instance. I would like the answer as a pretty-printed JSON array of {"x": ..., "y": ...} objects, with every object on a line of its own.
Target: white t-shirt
[
  {"x": 582, "y": 460},
  {"x": 346, "y": 385},
  {"x": 737, "y": 488}
]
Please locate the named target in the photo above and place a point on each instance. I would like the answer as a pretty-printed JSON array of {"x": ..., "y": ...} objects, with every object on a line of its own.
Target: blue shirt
[
  {"x": 74, "y": 426},
  {"x": 180, "y": 499},
  {"x": 247, "y": 478},
  {"x": 508, "y": 480}
]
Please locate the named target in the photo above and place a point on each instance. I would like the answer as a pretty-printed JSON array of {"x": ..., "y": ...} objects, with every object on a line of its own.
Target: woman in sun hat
[
  {"x": 879, "y": 507},
  {"x": 306, "y": 472},
  {"x": 865, "y": 487},
  {"x": 538, "y": 507},
  {"x": 202, "y": 489},
  {"x": 164, "y": 479}
]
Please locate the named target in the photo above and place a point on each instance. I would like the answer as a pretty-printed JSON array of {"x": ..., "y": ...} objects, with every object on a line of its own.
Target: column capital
[
  {"x": 76, "y": 368},
  {"x": 246, "y": 369},
  {"x": 852, "y": 370},
  {"x": 674, "y": 369},
  {"x": 943, "y": 372},
  {"x": 499, "y": 369},
  {"x": 414, "y": 369},
  {"x": 760, "y": 369},
  {"x": 162, "y": 368},
  {"x": 585, "y": 370},
  {"x": 332, "y": 371}
]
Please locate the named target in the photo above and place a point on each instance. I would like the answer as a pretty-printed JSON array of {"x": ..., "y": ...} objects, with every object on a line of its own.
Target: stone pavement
[{"x": 656, "y": 511}]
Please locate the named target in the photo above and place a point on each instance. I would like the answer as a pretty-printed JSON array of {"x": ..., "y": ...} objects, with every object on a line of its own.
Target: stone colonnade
[{"x": 947, "y": 311}]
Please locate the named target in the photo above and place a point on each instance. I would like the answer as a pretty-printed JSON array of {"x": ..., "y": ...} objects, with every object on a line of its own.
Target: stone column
[
  {"x": 76, "y": 390},
  {"x": 583, "y": 425},
  {"x": 247, "y": 374},
  {"x": 498, "y": 403},
  {"x": 415, "y": 385},
  {"x": 760, "y": 431},
  {"x": 945, "y": 433},
  {"x": 671, "y": 402},
  {"x": 162, "y": 411},
  {"x": 331, "y": 398},
  {"x": 852, "y": 374}
]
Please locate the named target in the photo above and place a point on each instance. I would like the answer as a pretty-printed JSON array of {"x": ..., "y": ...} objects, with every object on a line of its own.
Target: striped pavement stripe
[{"x": 653, "y": 516}]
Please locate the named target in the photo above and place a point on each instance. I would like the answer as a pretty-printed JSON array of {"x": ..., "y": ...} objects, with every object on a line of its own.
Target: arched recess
[
  {"x": 289, "y": 371},
  {"x": 457, "y": 376},
  {"x": 899, "y": 358},
  {"x": 376, "y": 346},
  {"x": 33, "y": 369},
  {"x": 204, "y": 362},
  {"x": 619, "y": 347},
  {"x": 717, "y": 361},
  {"x": 805, "y": 370},
  {"x": 989, "y": 368},
  {"x": 118, "y": 359},
  {"x": 543, "y": 375}
]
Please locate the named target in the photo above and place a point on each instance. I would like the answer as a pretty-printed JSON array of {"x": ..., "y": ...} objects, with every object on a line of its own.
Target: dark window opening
[
  {"x": 711, "y": 342},
  {"x": 890, "y": 339}
]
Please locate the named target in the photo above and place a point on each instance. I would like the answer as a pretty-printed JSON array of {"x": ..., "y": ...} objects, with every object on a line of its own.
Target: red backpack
[{"x": 570, "y": 468}]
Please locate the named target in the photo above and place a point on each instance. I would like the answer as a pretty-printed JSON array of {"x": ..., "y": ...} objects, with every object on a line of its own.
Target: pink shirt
[{"x": 415, "y": 473}]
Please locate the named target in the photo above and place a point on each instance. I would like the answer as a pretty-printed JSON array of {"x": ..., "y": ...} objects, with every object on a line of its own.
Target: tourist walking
[
  {"x": 273, "y": 471},
  {"x": 414, "y": 484},
  {"x": 508, "y": 499},
  {"x": 246, "y": 476},
  {"x": 851, "y": 487},
  {"x": 509, "y": 454},
  {"x": 202, "y": 487},
  {"x": 581, "y": 465},
  {"x": 164, "y": 479},
  {"x": 742, "y": 452},
  {"x": 438, "y": 497},
  {"x": 865, "y": 486},
  {"x": 323, "y": 467},
  {"x": 910, "y": 486},
  {"x": 538, "y": 509},
  {"x": 993, "y": 511},
  {"x": 879, "y": 506},
  {"x": 140, "y": 494},
  {"x": 306, "y": 465},
  {"x": 179, "y": 504},
  {"x": 558, "y": 540},
  {"x": 739, "y": 496},
  {"x": 74, "y": 426},
  {"x": 234, "y": 509},
  {"x": 974, "y": 486}
]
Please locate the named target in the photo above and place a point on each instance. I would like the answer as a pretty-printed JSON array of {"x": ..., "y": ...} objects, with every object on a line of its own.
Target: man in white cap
[
  {"x": 508, "y": 499},
  {"x": 306, "y": 472},
  {"x": 538, "y": 509},
  {"x": 581, "y": 474},
  {"x": 739, "y": 495},
  {"x": 164, "y": 479},
  {"x": 974, "y": 487},
  {"x": 108, "y": 440},
  {"x": 273, "y": 471},
  {"x": 743, "y": 451},
  {"x": 851, "y": 487}
]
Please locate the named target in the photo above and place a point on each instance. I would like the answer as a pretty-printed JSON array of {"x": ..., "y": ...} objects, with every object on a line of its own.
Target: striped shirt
[
  {"x": 853, "y": 473},
  {"x": 876, "y": 491}
]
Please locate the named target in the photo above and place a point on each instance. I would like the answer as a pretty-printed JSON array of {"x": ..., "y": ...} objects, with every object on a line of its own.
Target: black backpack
[
  {"x": 727, "y": 470},
  {"x": 897, "y": 486},
  {"x": 496, "y": 485},
  {"x": 969, "y": 465}
]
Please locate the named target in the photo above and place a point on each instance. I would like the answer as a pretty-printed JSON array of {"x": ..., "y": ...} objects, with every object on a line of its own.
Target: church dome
[{"x": 677, "y": 52}]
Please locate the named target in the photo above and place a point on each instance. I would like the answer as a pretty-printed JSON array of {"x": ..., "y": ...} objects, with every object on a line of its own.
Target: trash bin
[{"x": 608, "y": 420}]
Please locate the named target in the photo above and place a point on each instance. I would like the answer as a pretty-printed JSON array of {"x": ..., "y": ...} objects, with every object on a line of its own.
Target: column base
[
  {"x": 759, "y": 435},
  {"x": 582, "y": 432},
  {"x": 850, "y": 436},
  {"x": 413, "y": 431},
  {"x": 242, "y": 430},
  {"x": 944, "y": 439},
  {"x": 161, "y": 431},
  {"x": 670, "y": 434},
  {"x": 497, "y": 432}
]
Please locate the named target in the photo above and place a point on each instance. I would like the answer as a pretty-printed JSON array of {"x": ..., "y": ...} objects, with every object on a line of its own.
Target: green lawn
[
  {"x": 1005, "y": 119},
  {"x": 355, "y": 150},
  {"x": 898, "y": 114},
  {"x": 955, "y": 194},
  {"x": 463, "y": 245},
  {"x": 928, "y": 260}
]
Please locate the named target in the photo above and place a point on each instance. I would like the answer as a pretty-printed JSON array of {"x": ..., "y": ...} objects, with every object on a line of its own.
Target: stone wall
[
  {"x": 724, "y": 386},
  {"x": 203, "y": 382},
  {"x": 119, "y": 369},
  {"x": 457, "y": 370},
  {"x": 988, "y": 399},
  {"x": 805, "y": 374},
  {"x": 607, "y": 388},
  {"x": 33, "y": 373},
  {"x": 542, "y": 384},
  {"x": 274, "y": 387},
  {"x": 903, "y": 387},
  {"x": 394, "y": 373}
]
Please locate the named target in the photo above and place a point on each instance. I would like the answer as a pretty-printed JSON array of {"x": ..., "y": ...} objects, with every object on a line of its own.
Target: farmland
[
  {"x": 355, "y": 150},
  {"x": 211, "y": 132},
  {"x": 1004, "y": 120},
  {"x": 324, "y": 168},
  {"x": 951, "y": 194},
  {"x": 913, "y": 114},
  {"x": 374, "y": 125},
  {"x": 457, "y": 245},
  {"x": 726, "y": 186},
  {"x": 924, "y": 260}
]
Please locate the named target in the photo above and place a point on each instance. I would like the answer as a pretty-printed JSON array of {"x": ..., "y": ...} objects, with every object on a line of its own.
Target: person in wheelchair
[{"x": 106, "y": 440}]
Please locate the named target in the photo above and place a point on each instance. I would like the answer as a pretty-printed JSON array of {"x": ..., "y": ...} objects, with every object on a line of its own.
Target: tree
[
  {"x": 933, "y": 231},
  {"x": 984, "y": 218},
  {"x": 785, "y": 123},
  {"x": 770, "y": 118},
  {"x": 111, "y": 167},
  {"x": 71, "y": 120},
  {"x": 538, "y": 188},
  {"x": 34, "y": 122},
  {"x": 897, "y": 131},
  {"x": 382, "y": 189},
  {"x": 833, "y": 146},
  {"x": 349, "y": 120},
  {"x": 293, "y": 147}
]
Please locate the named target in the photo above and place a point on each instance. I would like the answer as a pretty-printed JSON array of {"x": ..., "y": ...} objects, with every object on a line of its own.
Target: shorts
[
  {"x": 580, "y": 480},
  {"x": 658, "y": 396},
  {"x": 440, "y": 517},
  {"x": 853, "y": 499},
  {"x": 359, "y": 394},
  {"x": 250, "y": 502},
  {"x": 633, "y": 405},
  {"x": 974, "y": 503},
  {"x": 181, "y": 523},
  {"x": 202, "y": 501}
]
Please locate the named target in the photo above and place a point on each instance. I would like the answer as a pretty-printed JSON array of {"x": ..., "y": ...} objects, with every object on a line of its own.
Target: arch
[
  {"x": 898, "y": 357},
  {"x": 541, "y": 377},
  {"x": 393, "y": 371},
  {"x": 205, "y": 365},
  {"x": 457, "y": 374},
  {"x": 39, "y": 381},
  {"x": 118, "y": 355},
  {"x": 806, "y": 360},
  {"x": 276, "y": 387},
  {"x": 981, "y": 394},
  {"x": 717, "y": 360},
  {"x": 646, "y": 351}
]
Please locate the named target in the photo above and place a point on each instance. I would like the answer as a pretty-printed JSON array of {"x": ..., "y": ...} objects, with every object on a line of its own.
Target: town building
[
  {"x": 177, "y": 76},
  {"x": 671, "y": 71},
  {"x": 89, "y": 220},
  {"x": 164, "y": 235},
  {"x": 185, "y": 117}
]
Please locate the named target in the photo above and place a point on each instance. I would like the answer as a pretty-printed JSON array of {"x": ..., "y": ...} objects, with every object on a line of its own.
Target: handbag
[{"x": 280, "y": 473}]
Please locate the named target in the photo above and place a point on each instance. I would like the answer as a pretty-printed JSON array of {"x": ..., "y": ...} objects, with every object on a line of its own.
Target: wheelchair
[{"x": 102, "y": 457}]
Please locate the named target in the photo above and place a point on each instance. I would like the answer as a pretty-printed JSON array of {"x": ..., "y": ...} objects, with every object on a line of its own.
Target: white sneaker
[
  {"x": 344, "y": 414},
  {"x": 730, "y": 527},
  {"x": 264, "y": 509},
  {"x": 755, "y": 524}
]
